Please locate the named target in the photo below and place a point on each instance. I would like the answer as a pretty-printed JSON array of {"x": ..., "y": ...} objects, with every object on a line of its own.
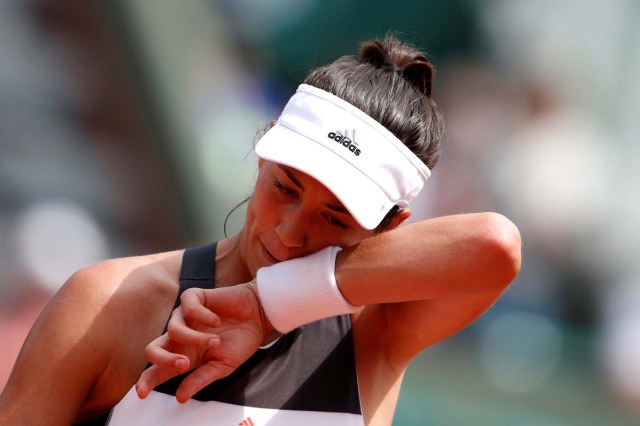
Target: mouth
[{"x": 267, "y": 254}]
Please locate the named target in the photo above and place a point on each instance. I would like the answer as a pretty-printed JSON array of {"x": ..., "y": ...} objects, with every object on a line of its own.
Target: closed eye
[
  {"x": 335, "y": 221},
  {"x": 285, "y": 189}
]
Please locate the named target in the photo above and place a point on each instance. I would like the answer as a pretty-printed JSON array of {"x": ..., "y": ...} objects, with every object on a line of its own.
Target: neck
[{"x": 231, "y": 264}]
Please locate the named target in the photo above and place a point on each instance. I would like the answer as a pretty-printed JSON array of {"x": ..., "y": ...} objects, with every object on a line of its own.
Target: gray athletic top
[{"x": 306, "y": 377}]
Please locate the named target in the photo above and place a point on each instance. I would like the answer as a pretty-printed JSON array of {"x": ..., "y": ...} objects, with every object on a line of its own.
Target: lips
[{"x": 267, "y": 254}]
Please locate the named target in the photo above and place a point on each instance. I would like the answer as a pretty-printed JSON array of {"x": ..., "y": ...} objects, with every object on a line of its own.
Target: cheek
[{"x": 262, "y": 209}]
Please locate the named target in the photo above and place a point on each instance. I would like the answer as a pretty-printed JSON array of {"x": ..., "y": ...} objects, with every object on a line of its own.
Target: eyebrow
[
  {"x": 339, "y": 209},
  {"x": 334, "y": 207},
  {"x": 293, "y": 179}
]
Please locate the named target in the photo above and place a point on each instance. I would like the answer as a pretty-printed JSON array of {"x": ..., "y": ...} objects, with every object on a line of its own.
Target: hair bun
[
  {"x": 420, "y": 73},
  {"x": 373, "y": 52},
  {"x": 412, "y": 64}
]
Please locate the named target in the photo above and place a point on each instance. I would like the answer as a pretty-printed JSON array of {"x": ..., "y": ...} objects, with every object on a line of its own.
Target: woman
[{"x": 353, "y": 147}]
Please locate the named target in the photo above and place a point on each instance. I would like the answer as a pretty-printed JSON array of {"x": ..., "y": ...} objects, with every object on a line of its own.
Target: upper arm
[
  {"x": 60, "y": 359},
  {"x": 456, "y": 269},
  {"x": 86, "y": 349},
  {"x": 414, "y": 326}
]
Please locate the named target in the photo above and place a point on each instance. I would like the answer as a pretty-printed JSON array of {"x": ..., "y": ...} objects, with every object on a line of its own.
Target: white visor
[{"x": 362, "y": 163}]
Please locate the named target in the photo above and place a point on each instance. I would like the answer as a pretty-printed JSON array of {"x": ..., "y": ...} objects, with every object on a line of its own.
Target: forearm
[
  {"x": 423, "y": 261},
  {"x": 431, "y": 259}
]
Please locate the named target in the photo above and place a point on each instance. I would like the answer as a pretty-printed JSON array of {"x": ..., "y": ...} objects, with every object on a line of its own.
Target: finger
[
  {"x": 152, "y": 377},
  {"x": 180, "y": 332},
  {"x": 166, "y": 365},
  {"x": 157, "y": 354},
  {"x": 199, "y": 378},
  {"x": 192, "y": 302}
]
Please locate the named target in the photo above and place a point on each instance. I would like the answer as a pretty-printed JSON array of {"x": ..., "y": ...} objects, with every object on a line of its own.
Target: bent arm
[
  {"x": 431, "y": 278},
  {"x": 431, "y": 259},
  {"x": 426, "y": 261}
]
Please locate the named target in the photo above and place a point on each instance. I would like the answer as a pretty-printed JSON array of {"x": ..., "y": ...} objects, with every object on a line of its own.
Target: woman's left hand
[{"x": 212, "y": 332}]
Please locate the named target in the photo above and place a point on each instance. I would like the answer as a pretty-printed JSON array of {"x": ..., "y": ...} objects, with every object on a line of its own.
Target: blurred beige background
[{"x": 126, "y": 127}]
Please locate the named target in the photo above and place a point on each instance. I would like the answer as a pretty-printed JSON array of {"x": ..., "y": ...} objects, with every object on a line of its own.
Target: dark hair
[{"x": 391, "y": 82}]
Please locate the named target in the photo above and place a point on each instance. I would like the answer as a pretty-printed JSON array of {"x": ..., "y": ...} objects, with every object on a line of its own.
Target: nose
[{"x": 292, "y": 230}]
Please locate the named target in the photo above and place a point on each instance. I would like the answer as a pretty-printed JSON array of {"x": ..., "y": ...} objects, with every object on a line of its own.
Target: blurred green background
[{"x": 127, "y": 127}]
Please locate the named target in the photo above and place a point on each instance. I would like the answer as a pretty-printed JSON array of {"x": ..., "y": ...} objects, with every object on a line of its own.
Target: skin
[{"x": 443, "y": 273}]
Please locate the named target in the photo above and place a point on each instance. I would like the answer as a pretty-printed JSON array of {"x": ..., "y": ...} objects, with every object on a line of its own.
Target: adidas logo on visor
[{"x": 349, "y": 143}]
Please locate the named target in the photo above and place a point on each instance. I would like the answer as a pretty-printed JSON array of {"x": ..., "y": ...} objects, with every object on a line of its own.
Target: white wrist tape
[{"x": 302, "y": 290}]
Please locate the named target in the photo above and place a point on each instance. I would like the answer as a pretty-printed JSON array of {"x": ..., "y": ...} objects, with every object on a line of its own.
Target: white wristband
[{"x": 302, "y": 290}]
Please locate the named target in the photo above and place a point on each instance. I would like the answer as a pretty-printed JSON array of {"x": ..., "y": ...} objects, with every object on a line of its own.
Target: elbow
[{"x": 503, "y": 244}]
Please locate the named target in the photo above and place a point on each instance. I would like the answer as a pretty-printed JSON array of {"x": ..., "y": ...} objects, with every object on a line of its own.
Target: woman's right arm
[{"x": 77, "y": 342}]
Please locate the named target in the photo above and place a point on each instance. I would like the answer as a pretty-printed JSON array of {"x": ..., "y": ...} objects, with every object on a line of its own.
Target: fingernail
[
  {"x": 139, "y": 391},
  {"x": 181, "y": 364},
  {"x": 213, "y": 342}
]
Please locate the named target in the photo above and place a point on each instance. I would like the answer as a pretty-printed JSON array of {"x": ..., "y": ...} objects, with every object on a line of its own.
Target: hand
[{"x": 212, "y": 332}]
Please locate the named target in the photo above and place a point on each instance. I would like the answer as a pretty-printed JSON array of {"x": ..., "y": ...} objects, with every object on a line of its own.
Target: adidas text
[{"x": 345, "y": 141}]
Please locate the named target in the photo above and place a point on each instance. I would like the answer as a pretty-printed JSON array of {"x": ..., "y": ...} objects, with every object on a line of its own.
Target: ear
[{"x": 398, "y": 218}]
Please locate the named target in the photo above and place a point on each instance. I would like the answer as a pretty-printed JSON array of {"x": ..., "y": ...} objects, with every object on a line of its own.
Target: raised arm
[
  {"x": 443, "y": 273},
  {"x": 420, "y": 283},
  {"x": 431, "y": 259}
]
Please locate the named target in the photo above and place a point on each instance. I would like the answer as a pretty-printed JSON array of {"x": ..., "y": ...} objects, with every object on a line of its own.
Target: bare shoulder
[
  {"x": 122, "y": 292},
  {"x": 87, "y": 347},
  {"x": 154, "y": 274}
]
